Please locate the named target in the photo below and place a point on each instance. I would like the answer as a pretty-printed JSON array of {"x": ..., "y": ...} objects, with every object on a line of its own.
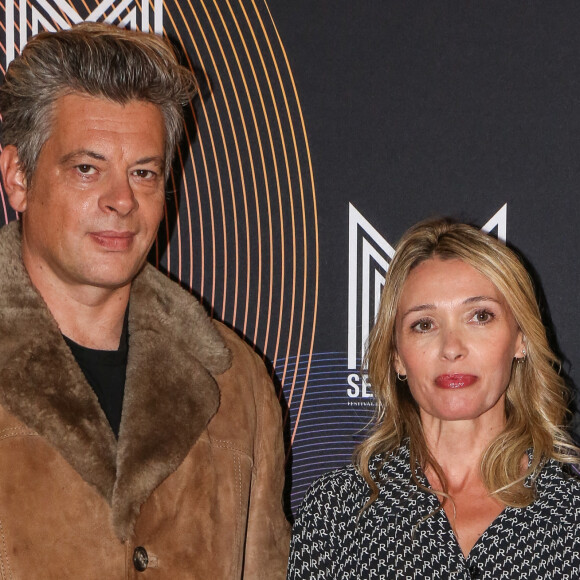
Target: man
[{"x": 137, "y": 437}]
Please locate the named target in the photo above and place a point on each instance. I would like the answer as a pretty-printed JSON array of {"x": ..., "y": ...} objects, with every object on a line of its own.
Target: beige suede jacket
[{"x": 193, "y": 486}]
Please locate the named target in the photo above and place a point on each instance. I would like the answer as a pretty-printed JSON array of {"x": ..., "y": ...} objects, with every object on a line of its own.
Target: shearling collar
[{"x": 170, "y": 393}]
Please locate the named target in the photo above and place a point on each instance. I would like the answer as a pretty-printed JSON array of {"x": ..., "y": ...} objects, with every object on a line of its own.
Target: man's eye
[
  {"x": 85, "y": 169},
  {"x": 144, "y": 173}
]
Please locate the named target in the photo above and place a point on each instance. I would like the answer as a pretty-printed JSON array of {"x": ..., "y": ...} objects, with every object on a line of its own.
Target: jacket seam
[
  {"x": 14, "y": 431},
  {"x": 261, "y": 411},
  {"x": 8, "y": 576},
  {"x": 238, "y": 519},
  {"x": 225, "y": 444}
]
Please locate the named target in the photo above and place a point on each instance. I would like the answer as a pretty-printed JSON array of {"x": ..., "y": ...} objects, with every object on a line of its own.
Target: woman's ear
[
  {"x": 398, "y": 364},
  {"x": 520, "y": 350},
  {"x": 14, "y": 179}
]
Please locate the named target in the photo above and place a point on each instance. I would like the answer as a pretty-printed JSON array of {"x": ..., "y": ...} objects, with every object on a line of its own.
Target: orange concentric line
[
  {"x": 276, "y": 172},
  {"x": 3, "y": 197},
  {"x": 317, "y": 249},
  {"x": 186, "y": 186},
  {"x": 293, "y": 221},
  {"x": 240, "y": 165},
  {"x": 195, "y": 172},
  {"x": 213, "y": 147},
  {"x": 178, "y": 224},
  {"x": 84, "y": 4},
  {"x": 294, "y": 261},
  {"x": 227, "y": 155}
]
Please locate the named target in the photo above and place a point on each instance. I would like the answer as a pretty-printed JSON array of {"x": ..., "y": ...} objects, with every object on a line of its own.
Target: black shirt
[
  {"x": 329, "y": 541},
  {"x": 105, "y": 371}
]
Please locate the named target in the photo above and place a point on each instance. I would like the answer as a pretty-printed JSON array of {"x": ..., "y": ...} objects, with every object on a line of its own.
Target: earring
[
  {"x": 402, "y": 378},
  {"x": 522, "y": 359}
]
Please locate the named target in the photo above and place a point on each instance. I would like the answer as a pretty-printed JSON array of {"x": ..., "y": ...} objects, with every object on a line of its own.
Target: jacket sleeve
[{"x": 268, "y": 531}]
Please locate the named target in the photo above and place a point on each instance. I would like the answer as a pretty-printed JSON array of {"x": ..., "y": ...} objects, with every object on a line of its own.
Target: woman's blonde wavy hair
[{"x": 536, "y": 396}]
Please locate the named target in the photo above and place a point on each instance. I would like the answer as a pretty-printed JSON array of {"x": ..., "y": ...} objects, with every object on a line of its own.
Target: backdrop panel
[{"x": 324, "y": 131}]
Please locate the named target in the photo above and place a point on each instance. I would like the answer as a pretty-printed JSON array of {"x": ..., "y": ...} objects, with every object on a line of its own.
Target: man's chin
[{"x": 112, "y": 280}]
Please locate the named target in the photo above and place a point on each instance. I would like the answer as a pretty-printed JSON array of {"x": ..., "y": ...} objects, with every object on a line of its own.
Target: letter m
[
  {"x": 369, "y": 259},
  {"x": 25, "y": 18}
]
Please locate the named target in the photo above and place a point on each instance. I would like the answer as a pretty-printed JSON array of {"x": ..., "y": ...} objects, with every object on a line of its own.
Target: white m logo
[
  {"x": 369, "y": 256},
  {"x": 51, "y": 15}
]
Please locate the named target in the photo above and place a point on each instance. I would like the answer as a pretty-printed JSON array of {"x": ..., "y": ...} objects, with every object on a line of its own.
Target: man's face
[{"x": 92, "y": 209}]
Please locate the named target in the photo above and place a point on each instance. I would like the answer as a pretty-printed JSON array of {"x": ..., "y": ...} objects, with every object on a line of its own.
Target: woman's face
[{"x": 456, "y": 339}]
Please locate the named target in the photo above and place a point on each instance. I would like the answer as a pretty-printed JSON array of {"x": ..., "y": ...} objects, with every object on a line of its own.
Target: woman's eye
[
  {"x": 483, "y": 316},
  {"x": 422, "y": 326}
]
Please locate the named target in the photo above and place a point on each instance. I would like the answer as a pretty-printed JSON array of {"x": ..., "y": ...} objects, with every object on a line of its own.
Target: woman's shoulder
[
  {"x": 346, "y": 488},
  {"x": 337, "y": 487},
  {"x": 558, "y": 480},
  {"x": 558, "y": 492},
  {"x": 337, "y": 495}
]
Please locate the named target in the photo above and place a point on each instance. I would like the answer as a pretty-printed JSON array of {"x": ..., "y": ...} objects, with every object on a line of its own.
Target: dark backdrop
[{"x": 325, "y": 130}]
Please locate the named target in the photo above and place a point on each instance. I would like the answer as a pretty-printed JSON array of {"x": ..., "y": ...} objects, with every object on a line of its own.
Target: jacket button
[{"x": 140, "y": 559}]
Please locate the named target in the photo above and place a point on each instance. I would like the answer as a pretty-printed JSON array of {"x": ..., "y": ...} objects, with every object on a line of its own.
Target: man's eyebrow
[
  {"x": 153, "y": 159},
  {"x": 81, "y": 153},
  {"x": 158, "y": 160}
]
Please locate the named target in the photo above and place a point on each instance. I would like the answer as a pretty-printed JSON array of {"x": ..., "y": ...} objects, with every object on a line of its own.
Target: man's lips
[
  {"x": 456, "y": 381},
  {"x": 113, "y": 240}
]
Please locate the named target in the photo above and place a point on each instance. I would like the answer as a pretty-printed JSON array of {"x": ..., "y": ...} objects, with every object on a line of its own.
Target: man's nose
[{"x": 119, "y": 197}]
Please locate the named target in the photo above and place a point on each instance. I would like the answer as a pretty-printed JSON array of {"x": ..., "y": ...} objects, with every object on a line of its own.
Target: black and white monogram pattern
[{"x": 391, "y": 540}]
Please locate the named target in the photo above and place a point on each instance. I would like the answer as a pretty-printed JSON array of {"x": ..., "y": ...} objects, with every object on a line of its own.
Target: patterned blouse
[{"x": 390, "y": 540}]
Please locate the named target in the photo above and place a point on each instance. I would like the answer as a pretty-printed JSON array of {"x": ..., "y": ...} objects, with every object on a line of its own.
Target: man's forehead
[
  {"x": 88, "y": 104},
  {"x": 78, "y": 118}
]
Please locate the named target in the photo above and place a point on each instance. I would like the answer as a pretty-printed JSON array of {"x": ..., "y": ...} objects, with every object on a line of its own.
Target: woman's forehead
[{"x": 437, "y": 281}]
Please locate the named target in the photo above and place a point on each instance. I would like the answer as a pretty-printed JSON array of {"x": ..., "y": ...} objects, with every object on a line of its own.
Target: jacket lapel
[
  {"x": 170, "y": 393},
  {"x": 41, "y": 383}
]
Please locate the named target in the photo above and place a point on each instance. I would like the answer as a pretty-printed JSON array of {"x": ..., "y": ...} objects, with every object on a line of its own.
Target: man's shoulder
[
  {"x": 11, "y": 265},
  {"x": 242, "y": 351},
  {"x": 162, "y": 307},
  {"x": 248, "y": 375},
  {"x": 10, "y": 236},
  {"x": 248, "y": 401}
]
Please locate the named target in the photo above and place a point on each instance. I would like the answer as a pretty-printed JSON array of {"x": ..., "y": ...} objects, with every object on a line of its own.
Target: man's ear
[{"x": 14, "y": 179}]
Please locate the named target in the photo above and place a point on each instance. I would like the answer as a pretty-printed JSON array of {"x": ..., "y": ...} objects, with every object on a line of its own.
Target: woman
[{"x": 466, "y": 472}]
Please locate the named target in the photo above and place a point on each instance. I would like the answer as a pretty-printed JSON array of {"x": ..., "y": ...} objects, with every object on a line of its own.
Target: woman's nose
[{"x": 453, "y": 346}]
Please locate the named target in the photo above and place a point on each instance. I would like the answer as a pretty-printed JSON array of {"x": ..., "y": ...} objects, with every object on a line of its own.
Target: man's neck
[
  {"x": 98, "y": 328},
  {"x": 90, "y": 316}
]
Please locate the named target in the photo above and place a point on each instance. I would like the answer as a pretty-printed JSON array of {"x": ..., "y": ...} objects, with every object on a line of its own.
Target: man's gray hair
[{"x": 98, "y": 60}]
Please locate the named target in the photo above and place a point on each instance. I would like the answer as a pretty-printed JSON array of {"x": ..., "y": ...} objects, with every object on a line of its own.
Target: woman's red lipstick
[{"x": 457, "y": 381}]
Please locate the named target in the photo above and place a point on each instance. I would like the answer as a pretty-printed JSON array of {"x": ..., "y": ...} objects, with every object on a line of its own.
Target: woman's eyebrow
[
  {"x": 481, "y": 299},
  {"x": 419, "y": 308},
  {"x": 470, "y": 300}
]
